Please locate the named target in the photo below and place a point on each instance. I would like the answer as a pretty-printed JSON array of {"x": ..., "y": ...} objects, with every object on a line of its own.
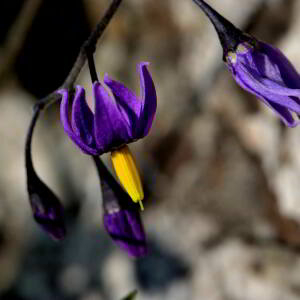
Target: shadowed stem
[
  {"x": 113, "y": 195},
  {"x": 92, "y": 68},
  {"x": 28, "y": 159},
  {"x": 90, "y": 46},
  {"x": 108, "y": 182},
  {"x": 229, "y": 35}
]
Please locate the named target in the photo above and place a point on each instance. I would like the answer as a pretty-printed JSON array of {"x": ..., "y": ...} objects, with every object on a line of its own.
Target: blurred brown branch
[{"x": 90, "y": 45}]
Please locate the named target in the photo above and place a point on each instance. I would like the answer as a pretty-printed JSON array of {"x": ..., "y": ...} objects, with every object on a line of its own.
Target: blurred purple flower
[
  {"x": 258, "y": 67},
  {"x": 116, "y": 120},
  {"x": 265, "y": 72}
]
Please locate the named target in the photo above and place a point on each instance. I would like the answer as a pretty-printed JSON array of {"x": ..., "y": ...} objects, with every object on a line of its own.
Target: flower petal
[
  {"x": 82, "y": 117},
  {"x": 269, "y": 89},
  {"x": 279, "y": 109},
  {"x": 129, "y": 103},
  {"x": 149, "y": 99},
  {"x": 111, "y": 129},
  {"x": 285, "y": 115},
  {"x": 64, "y": 117},
  {"x": 288, "y": 73}
]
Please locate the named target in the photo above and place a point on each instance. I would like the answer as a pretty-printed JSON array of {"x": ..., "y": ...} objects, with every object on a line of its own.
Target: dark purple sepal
[
  {"x": 126, "y": 230},
  {"x": 229, "y": 35},
  {"x": 121, "y": 216}
]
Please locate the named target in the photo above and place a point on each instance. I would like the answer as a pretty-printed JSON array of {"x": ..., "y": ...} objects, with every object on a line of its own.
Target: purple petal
[
  {"x": 267, "y": 84},
  {"x": 288, "y": 73},
  {"x": 82, "y": 118},
  {"x": 111, "y": 129},
  {"x": 64, "y": 117},
  {"x": 284, "y": 114},
  {"x": 126, "y": 230},
  {"x": 149, "y": 99},
  {"x": 269, "y": 89},
  {"x": 279, "y": 109},
  {"x": 128, "y": 102}
]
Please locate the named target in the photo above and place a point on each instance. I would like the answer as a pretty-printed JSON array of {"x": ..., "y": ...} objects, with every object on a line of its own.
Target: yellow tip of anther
[{"x": 128, "y": 174}]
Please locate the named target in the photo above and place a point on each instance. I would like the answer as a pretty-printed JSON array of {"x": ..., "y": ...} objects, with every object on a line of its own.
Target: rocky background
[{"x": 221, "y": 172}]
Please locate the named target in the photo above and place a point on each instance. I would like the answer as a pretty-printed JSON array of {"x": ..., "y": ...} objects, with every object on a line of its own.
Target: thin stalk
[{"x": 229, "y": 35}]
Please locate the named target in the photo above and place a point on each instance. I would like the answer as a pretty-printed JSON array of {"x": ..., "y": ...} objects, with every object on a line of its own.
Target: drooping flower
[
  {"x": 259, "y": 68},
  {"x": 121, "y": 217},
  {"x": 115, "y": 122},
  {"x": 46, "y": 208}
]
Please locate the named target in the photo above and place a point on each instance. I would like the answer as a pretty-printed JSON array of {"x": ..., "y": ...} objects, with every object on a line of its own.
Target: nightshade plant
[
  {"x": 121, "y": 217},
  {"x": 114, "y": 123},
  {"x": 259, "y": 68}
]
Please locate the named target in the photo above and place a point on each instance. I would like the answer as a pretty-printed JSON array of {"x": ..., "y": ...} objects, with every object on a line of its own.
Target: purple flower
[
  {"x": 258, "y": 67},
  {"x": 265, "y": 72},
  {"x": 116, "y": 120}
]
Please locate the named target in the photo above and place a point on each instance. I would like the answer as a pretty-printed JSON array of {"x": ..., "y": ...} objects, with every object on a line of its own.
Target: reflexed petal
[
  {"x": 128, "y": 102},
  {"x": 262, "y": 83},
  {"x": 286, "y": 117},
  {"x": 268, "y": 89},
  {"x": 149, "y": 100},
  {"x": 111, "y": 129},
  {"x": 82, "y": 117},
  {"x": 280, "y": 110},
  {"x": 64, "y": 117}
]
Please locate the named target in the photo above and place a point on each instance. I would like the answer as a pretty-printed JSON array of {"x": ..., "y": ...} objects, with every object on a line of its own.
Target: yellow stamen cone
[{"x": 128, "y": 174}]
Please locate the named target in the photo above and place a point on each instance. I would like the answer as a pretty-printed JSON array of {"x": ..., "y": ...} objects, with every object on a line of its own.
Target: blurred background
[{"x": 221, "y": 172}]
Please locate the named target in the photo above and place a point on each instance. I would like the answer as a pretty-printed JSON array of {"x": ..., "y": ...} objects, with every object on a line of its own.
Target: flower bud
[
  {"x": 121, "y": 217},
  {"x": 46, "y": 208}
]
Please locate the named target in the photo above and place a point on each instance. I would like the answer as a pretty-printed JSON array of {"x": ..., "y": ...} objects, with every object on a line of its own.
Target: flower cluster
[
  {"x": 119, "y": 117},
  {"x": 109, "y": 126}
]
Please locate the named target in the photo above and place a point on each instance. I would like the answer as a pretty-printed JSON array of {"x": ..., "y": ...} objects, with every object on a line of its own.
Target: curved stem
[
  {"x": 105, "y": 176},
  {"x": 92, "y": 67},
  {"x": 90, "y": 44},
  {"x": 229, "y": 35},
  {"x": 28, "y": 159}
]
